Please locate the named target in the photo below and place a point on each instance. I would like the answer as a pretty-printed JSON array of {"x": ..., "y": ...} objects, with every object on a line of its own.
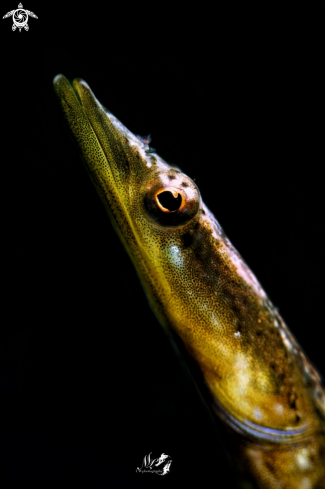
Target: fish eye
[{"x": 169, "y": 199}]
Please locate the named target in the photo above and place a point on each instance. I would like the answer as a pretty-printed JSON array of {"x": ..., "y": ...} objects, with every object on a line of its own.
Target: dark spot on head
[
  {"x": 236, "y": 308},
  {"x": 258, "y": 332},
  {"x": 292, "y": 401},
  {"x": 281, "y": 376},
  {"x": 196, "y": 226},
  {"x": 171, "y": 177},
  {"x": 203, "y": 212},
  {"x": 187, "y": 239},
  {"x": 228, "y": 295},
  {"x": 321, "y": 453},
  {"x": 244, "y": 300},
  {"x": 268, "y": 464},
  {"x": 136, "y": 154},
  {"x": 297, "y": 418},
  {"x": 184, "y": 184}
]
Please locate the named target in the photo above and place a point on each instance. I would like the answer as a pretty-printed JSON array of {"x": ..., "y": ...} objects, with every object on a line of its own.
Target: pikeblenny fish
[{"x": 254, "y": 376}]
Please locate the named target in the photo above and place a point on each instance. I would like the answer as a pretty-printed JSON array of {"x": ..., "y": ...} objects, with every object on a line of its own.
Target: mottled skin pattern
[{"x": 250, "y": 369}]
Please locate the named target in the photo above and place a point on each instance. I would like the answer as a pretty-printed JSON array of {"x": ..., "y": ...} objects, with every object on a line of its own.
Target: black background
[{"x": 89, "y": 382}]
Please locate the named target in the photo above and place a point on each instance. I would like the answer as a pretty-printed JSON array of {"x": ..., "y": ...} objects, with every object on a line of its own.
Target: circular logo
[{"x": 20, "y": 18}]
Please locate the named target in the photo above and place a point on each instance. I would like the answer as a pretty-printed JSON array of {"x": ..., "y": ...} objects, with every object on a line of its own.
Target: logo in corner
[
  {"x": 160, "y": 466},
  {"x": 20, "y": 18}
]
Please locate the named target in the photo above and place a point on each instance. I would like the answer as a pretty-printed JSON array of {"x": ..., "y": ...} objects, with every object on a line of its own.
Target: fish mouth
[
  {"x": 94, "y": 126},
  {"x": 110, "y": 152}
]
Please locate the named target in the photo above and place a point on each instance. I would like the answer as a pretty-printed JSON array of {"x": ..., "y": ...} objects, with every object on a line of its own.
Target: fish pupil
[{"x": 169, "y": 202}]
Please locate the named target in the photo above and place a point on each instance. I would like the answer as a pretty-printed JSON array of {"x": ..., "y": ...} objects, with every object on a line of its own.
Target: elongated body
[{"x": 252, "y": 373}]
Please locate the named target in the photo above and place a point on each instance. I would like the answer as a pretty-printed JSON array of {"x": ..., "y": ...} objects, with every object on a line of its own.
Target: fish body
[{"x": 252, "y": 373}]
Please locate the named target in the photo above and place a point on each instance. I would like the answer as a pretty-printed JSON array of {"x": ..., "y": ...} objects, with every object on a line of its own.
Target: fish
[{"x": 265, "y": 395}]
